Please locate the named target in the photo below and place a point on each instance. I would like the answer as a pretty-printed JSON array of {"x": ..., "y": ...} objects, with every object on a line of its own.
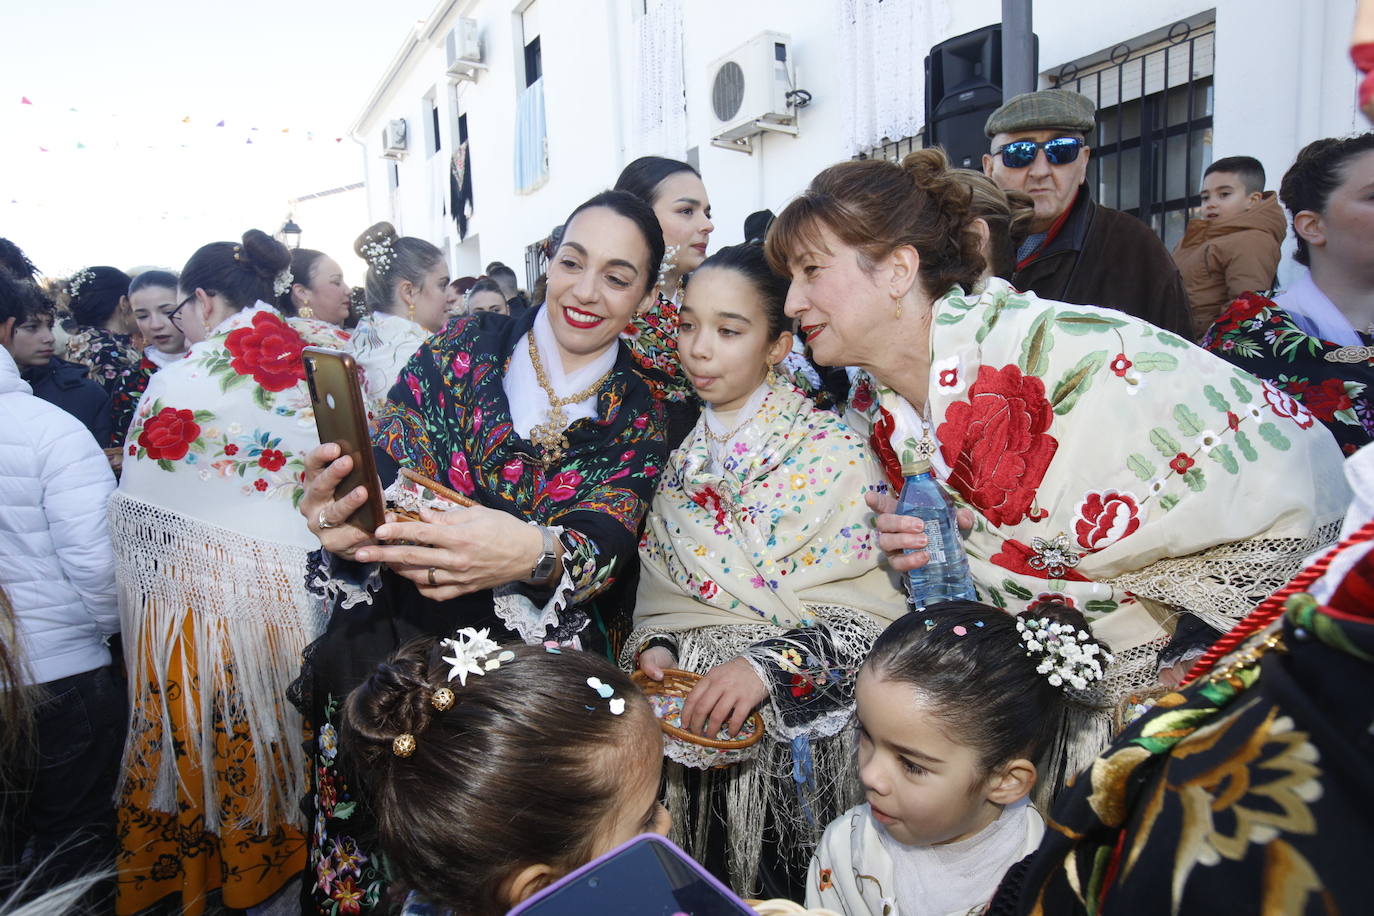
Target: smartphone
[
  {"x": 648, "y": 876},
  {"x": 341, "y": 417}
]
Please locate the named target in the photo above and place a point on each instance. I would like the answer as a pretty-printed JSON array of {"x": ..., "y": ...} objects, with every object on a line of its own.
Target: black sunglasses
[{"x": 1018, "y": 154}]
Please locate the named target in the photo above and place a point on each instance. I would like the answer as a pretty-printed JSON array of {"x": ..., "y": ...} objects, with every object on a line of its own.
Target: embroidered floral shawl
[
  {"x": 205, "y": 526},
  {"x": 1104, "y": 457},
  {"x": 382, "y": 344}
]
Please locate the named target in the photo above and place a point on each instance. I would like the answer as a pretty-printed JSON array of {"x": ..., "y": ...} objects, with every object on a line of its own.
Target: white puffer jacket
[{"x": 56, "y": 562}]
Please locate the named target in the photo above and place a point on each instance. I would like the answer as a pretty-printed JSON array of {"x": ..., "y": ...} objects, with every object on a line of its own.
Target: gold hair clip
[
  {"x": 442, "y": 699},
  {"x": 403, "y": 745},
  {"x": 238, "y": 251}
]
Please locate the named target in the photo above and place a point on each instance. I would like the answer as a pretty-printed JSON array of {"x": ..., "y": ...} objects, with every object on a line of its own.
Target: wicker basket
[{"x": 686, "y": 747}]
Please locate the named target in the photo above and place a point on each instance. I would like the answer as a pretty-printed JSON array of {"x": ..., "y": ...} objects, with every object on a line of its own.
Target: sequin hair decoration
[
  {"x": 1067, "y": 654},
  {"x": 79, "y": 279},
  {"x": 378, "y": 253},
  {"x": 607, "y": 692}
]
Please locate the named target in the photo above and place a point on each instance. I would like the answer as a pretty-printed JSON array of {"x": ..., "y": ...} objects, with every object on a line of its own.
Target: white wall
[{"x": 1282, "y": 79}]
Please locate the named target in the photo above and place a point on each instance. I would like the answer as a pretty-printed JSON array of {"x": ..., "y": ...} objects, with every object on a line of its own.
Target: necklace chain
[{"x": 550, "y": 436}]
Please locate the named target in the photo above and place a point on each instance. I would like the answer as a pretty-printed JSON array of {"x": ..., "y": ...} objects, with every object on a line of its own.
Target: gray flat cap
[{"x": 1048, "y": 109}]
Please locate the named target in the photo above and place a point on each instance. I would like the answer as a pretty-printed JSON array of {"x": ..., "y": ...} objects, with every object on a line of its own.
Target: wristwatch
[{"x": 548, "y": 560}]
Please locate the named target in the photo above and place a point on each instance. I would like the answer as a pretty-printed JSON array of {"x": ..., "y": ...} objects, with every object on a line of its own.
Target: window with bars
[{"x": 1154, "y": 124}]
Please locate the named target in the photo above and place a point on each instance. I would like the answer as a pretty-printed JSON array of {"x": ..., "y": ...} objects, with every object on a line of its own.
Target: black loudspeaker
[{"x": 963, "y": 87}]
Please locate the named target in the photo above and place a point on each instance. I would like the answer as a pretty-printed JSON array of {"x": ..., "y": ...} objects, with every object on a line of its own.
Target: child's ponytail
[{"x": 975, "y": 667}]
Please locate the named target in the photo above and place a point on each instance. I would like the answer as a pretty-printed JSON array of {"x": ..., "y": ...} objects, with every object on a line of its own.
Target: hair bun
[
  {"x": 382, "y": 233},
  {"x": 264, "y": 254}
]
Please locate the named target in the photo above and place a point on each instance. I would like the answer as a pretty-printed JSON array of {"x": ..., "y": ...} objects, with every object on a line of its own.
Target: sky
[{"x": 119, "y": 157}]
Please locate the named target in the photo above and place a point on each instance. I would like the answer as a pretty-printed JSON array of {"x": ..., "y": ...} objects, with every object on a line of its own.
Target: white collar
[
  {"x": 1313, "y": 311},
  {"x": 529, "y": 402},
  {"x": 565, "y": 383},
  {"x": 160, "y": 359}
]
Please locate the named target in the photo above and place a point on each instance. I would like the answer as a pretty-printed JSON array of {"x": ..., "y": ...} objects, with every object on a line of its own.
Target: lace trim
[
  {"x": 536, "y": 624},
  {"x": 325, "y": 579}
]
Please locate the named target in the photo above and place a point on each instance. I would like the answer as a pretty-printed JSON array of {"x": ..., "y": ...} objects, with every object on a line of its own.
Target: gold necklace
[
  {"x": 549, "y": 436},
  {"x": 739, "y": 426}
]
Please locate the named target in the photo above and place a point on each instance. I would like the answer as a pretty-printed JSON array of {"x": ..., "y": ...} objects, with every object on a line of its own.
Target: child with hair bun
[
  {"x": 495, "y": 770},
  {"x": 962, "y": 711}
]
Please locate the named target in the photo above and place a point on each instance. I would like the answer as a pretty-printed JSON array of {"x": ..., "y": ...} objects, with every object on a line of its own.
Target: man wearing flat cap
[{"x": 1078, "y": 251}]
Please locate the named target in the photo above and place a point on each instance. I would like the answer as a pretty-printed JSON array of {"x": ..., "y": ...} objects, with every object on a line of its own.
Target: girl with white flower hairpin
[{"x": 962, "y": 712}]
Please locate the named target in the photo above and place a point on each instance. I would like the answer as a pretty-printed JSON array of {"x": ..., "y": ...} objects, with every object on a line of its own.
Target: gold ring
[{"x": 431, "y": 577}]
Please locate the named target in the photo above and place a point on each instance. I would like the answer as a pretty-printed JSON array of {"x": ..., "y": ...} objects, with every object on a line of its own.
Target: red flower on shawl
[
  {"x": 1245, "y": 307},
  {"x": 1120, "y": 364},
  {"x": 1285, "y": 405},
  {"x": 271, "y": 459},
  {"x": 709, "y": 590},
  {"x": 269, "y": 351},
  {"x": 511, "y": 470},
  {"x": 1181, "y": 463},
  {"x": 169, "y": 434},
  {"x": 461, "y": 364},
  {"x": 997, "y": 444},
  {"x": 801, "y": 686},
  {"x": 231, "y": 450},
  {"x": 1105, "y": 517},
  {"x": 881, "y": 440},
  {"x": 459, "y": 475},
  {"x": 862, "y": 398},
  {"x": 348, "y": 895},
  {"x": 1015, "y": 557},
  {"x": 563, "y": 485},
  {"x": 260, "y": 485},
  {"x": 1325, "y": 398}
]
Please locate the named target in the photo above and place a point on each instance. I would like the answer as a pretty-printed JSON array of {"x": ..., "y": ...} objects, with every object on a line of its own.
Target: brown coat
[
  {"x": 1222, "y": 258},
  {"x": 1111, "y": 259}
]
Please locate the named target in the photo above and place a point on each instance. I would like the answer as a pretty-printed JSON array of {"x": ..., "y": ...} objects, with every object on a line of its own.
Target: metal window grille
[
  {"x": 536, "y": 263},
  {"x": 893, "y": 150},
  {"x": 1154, "y": 125}
]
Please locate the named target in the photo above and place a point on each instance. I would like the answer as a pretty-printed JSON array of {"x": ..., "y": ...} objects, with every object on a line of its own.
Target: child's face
[
  {"x": 924, "y": 787},
  {"x": 723, "y": 339},
  {"x": 32, "y": 342},
  {"x": 1224, "y": 195}
]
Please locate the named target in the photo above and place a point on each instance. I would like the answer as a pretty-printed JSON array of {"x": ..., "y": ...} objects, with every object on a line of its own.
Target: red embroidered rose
[
  {"x": 708, "y": 590},
  {"x": 862, "y": 398},
  {"x": 269, "y": 351},
  {"x": 640, "y": 421},
  {"x": 133, "y": 450},
  {"x": 231, "y": 449},
  {"x": 881, "y": 440},
  {"x": 413, "y": 384},
  {"x": 1240, "y": 311},
  {"x": 801, "y": 686},
  {"x": 1121, "y": 364},
  {"x": 1285, "y": 405},
  {"x": 563, "y": 485},
  {"x": 949, "y": 378},
  {"x": 459, "y": 476},
  {"x": 271, "y": 459},
  {"x": 260, "y": 485},
  {"x": 997, "y": 444},
  {"x": 1105, "y": 517},
  {"x": 168, "y": 436},
  {"x": 511, "y": 470},
  {"x": 1232, "y": 421},
  {"x": 461, "y": 364},
  {"x": 1181, "y": 463},
  {"x": 1324, "y": 399}
]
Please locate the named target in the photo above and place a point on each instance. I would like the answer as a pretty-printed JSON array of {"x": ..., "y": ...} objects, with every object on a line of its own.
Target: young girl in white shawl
[
  {"x": 962, "y": 710},
  {"x": 760, "y": 572}
]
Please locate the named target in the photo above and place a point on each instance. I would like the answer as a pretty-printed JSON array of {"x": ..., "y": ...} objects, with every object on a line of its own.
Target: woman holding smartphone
[{"x": 542, "y": 421}]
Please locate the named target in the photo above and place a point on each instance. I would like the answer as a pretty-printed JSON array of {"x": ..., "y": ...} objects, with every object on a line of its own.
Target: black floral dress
[
  {"x": 110, "y": 358},
  {"x": 1334, "y": 384},
  {"x": 448, "y": 418},
  {"x": 124, "y": 401}
]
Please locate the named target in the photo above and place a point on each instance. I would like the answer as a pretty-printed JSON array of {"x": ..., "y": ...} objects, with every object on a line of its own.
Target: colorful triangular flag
[
  {"x": 220, "y": 124},
  {"x": 24, "y": 100}
]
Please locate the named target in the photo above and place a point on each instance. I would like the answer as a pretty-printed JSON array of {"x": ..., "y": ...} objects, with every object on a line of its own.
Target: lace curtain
[
  {"x": 660, "y": 100},
  {"x": 531, "y": 139},
  {"x": 884, "y": 43}
]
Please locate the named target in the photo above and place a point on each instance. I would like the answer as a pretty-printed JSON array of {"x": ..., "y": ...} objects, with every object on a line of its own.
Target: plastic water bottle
[{"x": 946, "y": 576}]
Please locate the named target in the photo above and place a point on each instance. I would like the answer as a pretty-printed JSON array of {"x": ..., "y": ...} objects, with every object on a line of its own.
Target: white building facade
[{"x": 544, "y": 101}]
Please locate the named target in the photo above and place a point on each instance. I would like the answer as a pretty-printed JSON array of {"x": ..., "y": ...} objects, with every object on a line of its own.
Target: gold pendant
[
  {"x": 548, "y": 436},
  {"x": 924, "y": 448}
]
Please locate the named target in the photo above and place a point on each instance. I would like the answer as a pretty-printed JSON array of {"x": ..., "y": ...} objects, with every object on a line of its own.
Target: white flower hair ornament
[
  {"x": 471, "y": 651},
  {"x": 281, "y": 283},
  {"x": 378, "y": 253},
  {"x": 78, "y": 280},
  {"x": 1068, "y": 655}
]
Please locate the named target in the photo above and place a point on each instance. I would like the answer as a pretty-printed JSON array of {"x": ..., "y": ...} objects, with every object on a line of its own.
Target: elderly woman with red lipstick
[
  {"x": 543, "y": 422},
  {"x": 1108, "y": 464}
]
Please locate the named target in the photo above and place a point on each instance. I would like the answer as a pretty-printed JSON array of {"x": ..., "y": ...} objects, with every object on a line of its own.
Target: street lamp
[{"x": 291, "y": 233}]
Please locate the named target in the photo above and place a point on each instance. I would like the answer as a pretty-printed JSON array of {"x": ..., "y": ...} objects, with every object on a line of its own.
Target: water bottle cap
[{"x": 915, "y": 466}]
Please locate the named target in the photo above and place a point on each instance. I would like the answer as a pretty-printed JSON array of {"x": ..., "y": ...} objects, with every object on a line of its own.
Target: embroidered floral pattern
[{"x": 652, "y": 340}]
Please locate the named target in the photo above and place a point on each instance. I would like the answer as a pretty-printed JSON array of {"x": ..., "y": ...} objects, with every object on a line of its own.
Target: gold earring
[{"x": 410, "y": 310}]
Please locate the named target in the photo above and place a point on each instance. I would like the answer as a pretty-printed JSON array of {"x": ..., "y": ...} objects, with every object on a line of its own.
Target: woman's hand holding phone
[{"x": 327, "y": 517}]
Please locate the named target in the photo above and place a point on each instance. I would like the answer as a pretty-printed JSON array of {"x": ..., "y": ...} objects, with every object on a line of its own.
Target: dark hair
[
  {"x": 484, "y": 285},
  {"x": 968, "y": 661},
  {"x": 1008, "y": 215},
  {"x": 1318, "y": 170},
  {"x": 643, "y": 176},
  {"x": 749, "y": 261},
  {"x": 637, "y": 211},
  {"x": 163, "y": 279},
  {"x": 20, "y": 299},
  {"x": 97, "y": 293},
  {"x": 1247, "y": 168},
  {"x": 241, "y": 273},
  {"x": 407, "y": 258},
  {"x": 13, "y": 259},
  {"x": 302, "y": 263},
  {"x": 522, "y": 769},
  {"x": 877, "y": 206},
  {"x": 501, "y": 274}
]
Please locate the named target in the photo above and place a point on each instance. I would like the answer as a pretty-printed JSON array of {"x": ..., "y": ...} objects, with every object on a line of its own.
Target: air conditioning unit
[
  {"x": 749, "y": 91},
  {"x": 394, "y": 139},
  {"x": 463, "y": 51}
]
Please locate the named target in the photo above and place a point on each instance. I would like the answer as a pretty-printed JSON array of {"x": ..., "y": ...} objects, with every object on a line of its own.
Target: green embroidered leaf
[
  {"x": 1076, "y": 382},
  {"x": 997, "y": 599},
  {"x": 949, "y": 318},
  {"x": 1172, "y": 340},
  {"x": 1168, "y": 501},
  {"x": 1037, "y": 345},
  {"x": 1175, "y": 724},
  {"x": 1168, "y": 446},
  {"x": 1247, "y": 448},
  {"x": 1217, "y": 399},
  {"x": 1078, "y": 323},
  {"x": 1243, "y": 392},
  {"x": 164, "y": 464},
  {"x": 1227, "y": 458},
  {"x": 1188, "y": 422},
  {"x": 1330, "y": 632},
  {"x": 1155, "y": 362},
  {"x": 1100, "y": 606},
  {"x": 1016, "y": 590},
  {"x": 344, "y": 810},
  {"x": 1348, "y": 416},
  {"x": 1141, "y": 467},
  {"x": 1194, "y": 479},
  {"x": 260, "y": 395},
  {"x": 203, "y": 416},
  {"x": 1274, "y": 436}
]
